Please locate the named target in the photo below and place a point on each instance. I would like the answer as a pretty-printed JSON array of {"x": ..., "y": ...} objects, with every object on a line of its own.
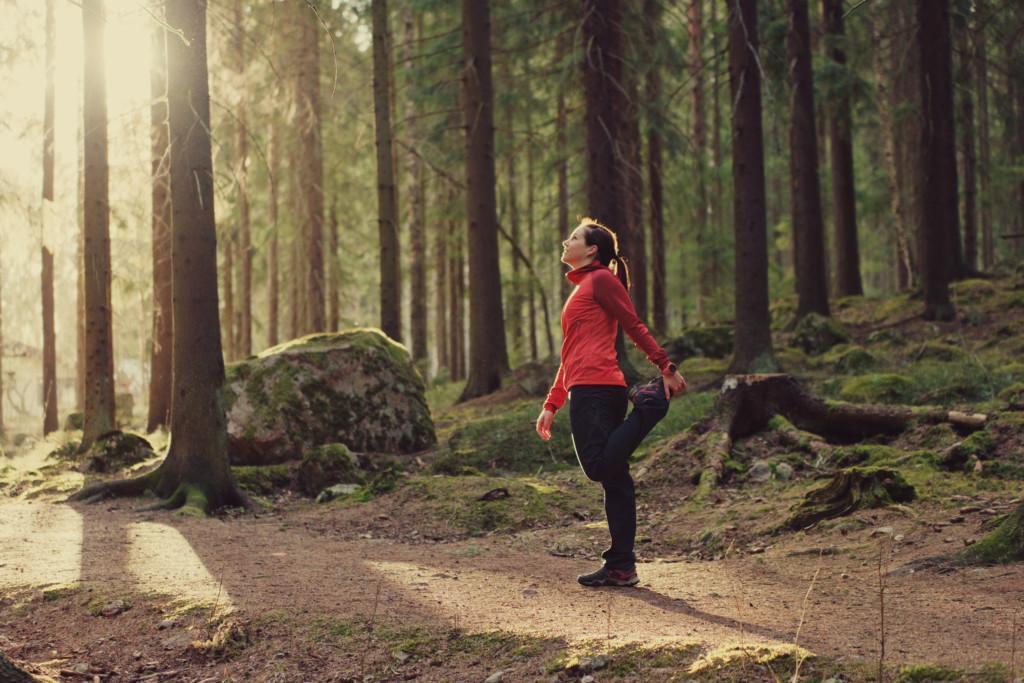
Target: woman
[{"x": 589, "y": 373}]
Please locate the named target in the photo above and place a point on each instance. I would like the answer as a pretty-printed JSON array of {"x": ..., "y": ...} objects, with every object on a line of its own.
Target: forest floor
[{"x": 421, "y": 577}]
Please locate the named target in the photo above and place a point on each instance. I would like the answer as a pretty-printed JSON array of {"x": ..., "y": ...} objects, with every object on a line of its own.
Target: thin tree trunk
[
  {"x": 488, "y": 355},
  {"x": 530, "y": 231},
  {"x": 984, "y": 146},
  {"x": 387, "y": 211},
  {"x": 244, "y": 332},
  {"x": 228, "y": 282},
  {"x": 163, "y": 335},
  {"x": 333, "y": 274},
  {"x": 562, "y": 47},
  {"x": 48, "y": 104},
  {"x": 695, "y": 30},
  {"x": 752, "y": 341},
  {"x": 635, "y": 246},
  {"x": 969, "y": 159},
  {"x": 457, "y": 286},
  {"x": 417, "y": 238},
  {"x": 99, "y": 341},
  {"x": 515, "y": 300},
  {"x": 718, "y": 203},
  {"x": 939, "y": 227},
  {"x": 80, "y": 264},
  {"x": 2, "y": 393},
  {"x": 50, "y": 423},
  {"x": 441, "y": 295},
  {"x": 840, "y": 124},
  {"x": 273, "y": 277},
  {"x": 805, "y": 190},
  {"x": 310, "y": 172}
]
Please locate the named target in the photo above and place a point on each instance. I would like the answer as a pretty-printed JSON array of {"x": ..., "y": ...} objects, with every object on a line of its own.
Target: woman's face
[{"x": 575, "y": 251}]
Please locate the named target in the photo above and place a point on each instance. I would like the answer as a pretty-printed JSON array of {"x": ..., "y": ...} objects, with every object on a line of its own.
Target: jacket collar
[{"x": 576, "y": 275}]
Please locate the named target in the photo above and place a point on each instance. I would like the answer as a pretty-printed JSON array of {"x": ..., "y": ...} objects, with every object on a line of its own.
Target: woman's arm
[
  {"x": 554, "y": 401},
  {"x": 612, "y": 296}
]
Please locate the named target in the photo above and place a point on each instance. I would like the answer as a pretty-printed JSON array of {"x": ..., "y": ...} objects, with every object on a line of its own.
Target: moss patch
[
  {"x": 877, "y": 388},
  {"x": 816, "y": 334},
  {"x": 851, "y": 489}
]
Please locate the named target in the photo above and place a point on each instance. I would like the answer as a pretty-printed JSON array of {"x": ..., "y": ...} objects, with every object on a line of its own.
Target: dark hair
[{"x": 607, "y": 243}]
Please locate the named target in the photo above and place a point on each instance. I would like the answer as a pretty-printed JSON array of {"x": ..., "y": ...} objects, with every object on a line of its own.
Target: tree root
[
  {"x": 120, "y": 488},
  {"x": 747, "y": 404},
  {"x": 188, "y": 498},
  {"x": 851, "y": 489}
]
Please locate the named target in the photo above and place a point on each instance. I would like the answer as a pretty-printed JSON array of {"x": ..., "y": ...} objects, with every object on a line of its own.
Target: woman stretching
[{"x": 589, "y": 373}]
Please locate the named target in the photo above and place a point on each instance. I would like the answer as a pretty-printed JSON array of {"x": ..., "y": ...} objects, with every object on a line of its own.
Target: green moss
[
  {"x": 877, "y": 388},
  {"x": 1013, "y": 393},
  {"x": 856, "y": 360},
  {"x": 886, "y": 337},
  {"x": 816, "y": 334},
  {"x": 851, "y": 489},
  {"x": 264, "y": 479},
  {"x": 379, "y": 484},
  {"x": 941, "y": 351},
  {"x": 1003, "y": 544},
  {"x": 925, "y": 673},
  {"x": 865, "y": 454},
  {"x": 945, "y": 383},
  {"x": 699, "y": 365}
]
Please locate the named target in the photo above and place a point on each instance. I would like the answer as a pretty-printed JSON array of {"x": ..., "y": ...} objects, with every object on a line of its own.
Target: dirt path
[{"x": 297, "y": 564}]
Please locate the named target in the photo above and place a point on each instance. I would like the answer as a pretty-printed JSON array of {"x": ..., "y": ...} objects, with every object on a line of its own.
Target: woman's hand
[
  {"x": 544, "y": 424},
  {"x": 674, "y": 384}
]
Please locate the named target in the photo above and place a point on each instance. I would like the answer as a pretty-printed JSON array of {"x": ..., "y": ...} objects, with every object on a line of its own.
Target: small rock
[
  {"x": 882, "y": 531},
  {"x": 588, "y": 679},
  {"x": 759, "y": 471},
  {"x": 177, "y": 641},
  {"x": 898, "y": 538},
  {"x": 113, "y": 608},
  {"x": 969, "y": 541},
  {"x": 956, "y": 520},
  {"x": 844, "y": 575},
  {"x": 960, "y": 498},
  {"x": 401, "y": 656},
  {"x": 336, "y": 491},
  {"x": 166, "y": 624},
  {"x": 784, "y": 471},
  {"x": 967, "y": 509},
  {"x": 989, "y": 512},
  {"x": 80, "y": 668},
  {"x": 948, "y": 539},
  {"x": 599, "y": 662},
  {"x": 496, "y": 677}
]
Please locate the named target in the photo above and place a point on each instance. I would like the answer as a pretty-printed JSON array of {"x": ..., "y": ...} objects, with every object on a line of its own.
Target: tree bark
[
  {"x": 488, "y": 357},
  {"x": 50, "y": 423},
  {"x": 99, "y": 341},
  {"x": 441, "y": 295},
  {"x": 417, "y": 236},
  {"x": 752, "y": 341},
  {"x": 48, "y": 103},
  {"x": 562, "y": 47},
  {"x": 984, "y": 145},
  {"x": 530, "y": 230},
  {"x": 12, "y": 673},
  {"x": 695, "y": 29},
  {"x": 387, "y": 218},
  {"x": 805, "y": 190},
  {"x": 244, "y": 331},
  {"x": 634, "y": 247},
  {"x": 163, "y": 334},
  {"x": 311, "y": 172},
  {"x": 333, "y": 273},
  {"x": 273, "y": 264},
  {"x": 228, "y": 283},
  {"x": 718, "y": 201},
  {"x": 968, "y": 155},
  {"x": 840, "y": 125},
  {"x": 938, "y": 229},
  {"x": 456, "y": 280},
  {"x": 515, "y": 300}
]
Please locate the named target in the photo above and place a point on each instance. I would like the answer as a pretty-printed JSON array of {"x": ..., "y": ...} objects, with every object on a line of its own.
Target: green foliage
[
  {"x": 1003, "y": 544},
  {"x": 877, "y": 388},
  {"x": 263, "y": 479},
  {"x": 816, "y": 334}
]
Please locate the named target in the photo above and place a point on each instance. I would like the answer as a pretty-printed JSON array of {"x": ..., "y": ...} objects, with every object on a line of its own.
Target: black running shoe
[
  {"x": 648, "y": 393},
  {"x": 610, "y": 577}
]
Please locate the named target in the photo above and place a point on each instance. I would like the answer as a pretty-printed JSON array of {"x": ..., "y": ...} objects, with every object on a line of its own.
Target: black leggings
[{"x": 604, "y": 438}]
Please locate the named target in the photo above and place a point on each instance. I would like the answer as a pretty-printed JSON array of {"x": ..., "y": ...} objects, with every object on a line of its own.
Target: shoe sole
[{"x": 611, "y": 582}]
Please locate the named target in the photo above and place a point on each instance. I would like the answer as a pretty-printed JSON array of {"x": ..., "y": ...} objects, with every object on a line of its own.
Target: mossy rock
[
  {"x": 851, "y": 489},
  {"x": 116, "y": 450},
  {"x": 886, "y": 336},
  {"x": 1013, "y": 393},
  {"x": 73, "y": 421},
  {"x": 710, "y": 341},
  {"x": 973, "y": 291},
  {"x": 325, "y": 466},
  {"x": 943, "y": 352},
  {"x": 816, "y": 334},
  {"x": 264, "y": 479},
  {"x": 355, "y": 387},
  {"x": 855, "y": 360},
  {"x": 1003, "y": 544},
  {"x": 877, "y": 388},
  {"x": 506, "y": 441}
]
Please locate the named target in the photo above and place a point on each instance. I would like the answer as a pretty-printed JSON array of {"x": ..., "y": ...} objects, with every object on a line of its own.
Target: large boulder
[{"x": 357, "y": 387}]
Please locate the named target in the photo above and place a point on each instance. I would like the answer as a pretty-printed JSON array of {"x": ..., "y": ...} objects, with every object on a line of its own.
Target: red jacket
[{"x": 590, "y": 322}]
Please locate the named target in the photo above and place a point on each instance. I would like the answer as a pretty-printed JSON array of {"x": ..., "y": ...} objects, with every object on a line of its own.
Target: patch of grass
[{"x": 877, "y": 388}]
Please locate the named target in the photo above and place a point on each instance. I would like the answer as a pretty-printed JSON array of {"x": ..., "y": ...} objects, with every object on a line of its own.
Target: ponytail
[{"x": 607, "y": 243}]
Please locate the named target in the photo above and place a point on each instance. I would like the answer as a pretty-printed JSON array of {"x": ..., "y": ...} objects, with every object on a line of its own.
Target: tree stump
[
  {"x": 11, "y": 673},
  {"x": 851, "y": 489},
  {"x": 1003, "y": 544},
  {"x": 747, "y": 404}
]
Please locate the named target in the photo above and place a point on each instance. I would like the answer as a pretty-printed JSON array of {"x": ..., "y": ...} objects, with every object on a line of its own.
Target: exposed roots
[
  {"x": 189, "y": 499},
  {"x": 119, "y": 488}
]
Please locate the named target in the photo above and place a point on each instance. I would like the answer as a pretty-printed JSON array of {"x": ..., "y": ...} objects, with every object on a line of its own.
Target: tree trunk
[
  {"x": 273, "y": 264},
  {"x": 695, "y": 29},
  {"x": 441, "y": 295},
  {"x": 295, "y": 265},
  {"x": 899, "y": 187},
  {"x": 805, "y": 190},
  {"x": 938, "y": 229},
  {"x": 80, "y": 264},
  {"x": 984, "y": 148},
  {"x": 333, "y": 273},
  {"x": 50, "y": 423},
  {"x": 244, "y": 332},
  {"x": 195, "y": 474},
  {"x": 228, "y": 282},
  {"x": 967, "y": 148},
  {"x": 48, "y": 105},
  {"x": 718, "y": 201},
  {"x": 515, "y": 300},
  {"x": 12, "y": 673},
  {"x": 163, "y": 334},
  {"x": 562, "y": 47},
  {"x": 2, "y": 393},
  {"x": 752, "y": 341},
  {"x": 387, "y": 218},
  {"x": 99, "y": 340},
  {"x": 311, "y": 171},
  {"x": 417, "y": 237},
  {"x": 488, "y": 357},
  {"x": 456, "y": 281},
  {"x": 840, "y": 125},
  {"x": 634, "y": 247},
  {"x": 530, "y": 230}
]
